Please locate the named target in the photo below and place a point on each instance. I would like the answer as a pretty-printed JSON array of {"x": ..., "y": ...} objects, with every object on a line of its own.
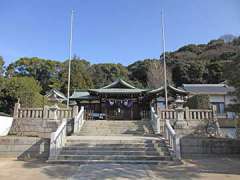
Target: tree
[
  {"x": 155, "y": 74},
  {"x": 180, "y": 73},
  {"x": 1, "y": 66},
  {"x": 195, "y": 72},
  {"x": 214, "y": 72},
  {"x": 80, "y": 76},
  {"x": 232, "y": 75},
  {"x": 42, "y": 70},
  {"x": 149, "y": 73},
  {"x": 198, "y": 102},
  {"x": 103, "y": 74},
  {"x": 26, "y": 89}
]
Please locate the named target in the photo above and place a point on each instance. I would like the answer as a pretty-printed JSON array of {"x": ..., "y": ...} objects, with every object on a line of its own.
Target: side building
[{"x": 219, "y": 96}]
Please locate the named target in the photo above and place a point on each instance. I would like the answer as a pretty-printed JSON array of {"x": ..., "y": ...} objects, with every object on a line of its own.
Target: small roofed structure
[
  {"x": 121, "y": 100},
  {"x": 55, "y": 95}
]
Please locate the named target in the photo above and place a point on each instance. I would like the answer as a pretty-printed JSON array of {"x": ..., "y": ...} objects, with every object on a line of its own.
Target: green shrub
[{"x": 198, "y": 102}]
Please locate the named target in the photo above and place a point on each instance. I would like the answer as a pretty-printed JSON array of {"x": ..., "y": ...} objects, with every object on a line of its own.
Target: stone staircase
[
  {"x": 113, "y": 128},
  {"x": 131, "y": 142}
]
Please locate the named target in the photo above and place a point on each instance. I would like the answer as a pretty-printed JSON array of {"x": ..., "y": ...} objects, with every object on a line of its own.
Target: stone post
[
  {"x": 53, "y": 112},
  {"x": 15, "y": 112},
  {"x": 214, "y": 113},
  {"x": 45, "y": 112},
  {"x": 180, "y": 122},
  {"x": 215, "y": 121},
  {"x": 75, "y": 111},
  {"x": 187, "y": 114}
]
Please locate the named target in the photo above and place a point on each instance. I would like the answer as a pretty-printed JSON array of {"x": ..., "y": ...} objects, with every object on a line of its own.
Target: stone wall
[
  {"x": 33, "y": 127},
  {"x": 39, "y": 122},
  {"x": 24, "y": 148},
  {"x": 199, "y": 147}
]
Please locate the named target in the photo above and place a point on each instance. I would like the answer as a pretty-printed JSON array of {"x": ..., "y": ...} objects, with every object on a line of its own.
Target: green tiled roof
[{"x": 81, "y": 95}]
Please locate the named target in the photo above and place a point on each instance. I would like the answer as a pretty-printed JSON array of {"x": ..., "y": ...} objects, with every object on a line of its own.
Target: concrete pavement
[{"x": 224, "y": 168}]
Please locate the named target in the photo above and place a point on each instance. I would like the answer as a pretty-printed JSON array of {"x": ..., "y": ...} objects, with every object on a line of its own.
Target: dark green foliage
[
  {"x": 198, "y": 102},
  {"x": 214, "y": 72},
  {"x": 1, "y": 66},
  {"x": 104, "y": 74},
  {"x": 232, "y": 74},
  {"x": 44, "y": 71},
  {"x": 26, "y": 89},
  {"x": 80, "y": 76}
]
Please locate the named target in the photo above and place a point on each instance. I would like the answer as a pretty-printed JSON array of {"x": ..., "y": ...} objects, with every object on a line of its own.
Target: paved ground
[{"x": 225, "y": 168}]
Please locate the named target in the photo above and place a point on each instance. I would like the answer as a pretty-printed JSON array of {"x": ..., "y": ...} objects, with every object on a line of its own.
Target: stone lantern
[
  {"x": 53, "y": 109},
  {"x": 180, "y": 122}
]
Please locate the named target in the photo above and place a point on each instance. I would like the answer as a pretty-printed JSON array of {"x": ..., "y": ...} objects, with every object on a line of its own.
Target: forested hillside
[{"x": 29, "y": 78}]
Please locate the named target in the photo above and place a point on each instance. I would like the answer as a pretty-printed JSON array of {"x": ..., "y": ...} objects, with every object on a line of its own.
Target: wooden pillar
[
  {"x": 100, "y": 104},
  {"x": 132, "y": 107}
]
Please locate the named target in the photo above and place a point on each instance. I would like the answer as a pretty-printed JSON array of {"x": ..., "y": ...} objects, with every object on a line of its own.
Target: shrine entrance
[
  {"x": 119, "y": 101},
  {"x": 122, "y": 110}
]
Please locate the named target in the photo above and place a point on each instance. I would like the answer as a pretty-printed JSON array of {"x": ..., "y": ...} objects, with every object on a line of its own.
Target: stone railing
[
  {"x": 172, "y": 139},
  {"x": 50, "y": 113},
  {"x": 58, "y": 140},
  {"x": 188, "y": 114},
  {"x": 170, "y": 114},
  {"x": 79, "y": 121},
  {"x": 198, "y": 114}
]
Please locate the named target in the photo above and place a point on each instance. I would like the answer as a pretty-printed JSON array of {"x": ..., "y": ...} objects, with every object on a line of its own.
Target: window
[{"x": 220, "y": 106}]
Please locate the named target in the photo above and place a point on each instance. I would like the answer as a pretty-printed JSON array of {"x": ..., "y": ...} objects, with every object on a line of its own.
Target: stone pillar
[
  {"x": 187, "y": 114},
  {"x": 214, "y": 113},
  {"x": 45, "y": 112},
  {"x": 15, "y": 112},
  {"x": 180, "y": 122},
  {"x": 53, "y": 112},
  {"x": 75, "y": 111}
]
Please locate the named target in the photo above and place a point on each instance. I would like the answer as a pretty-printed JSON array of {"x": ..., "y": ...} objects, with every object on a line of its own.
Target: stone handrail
[
  {"x": 58, "y": 139},
  {"x": 155, "y": 121},
  {"x": 189, "y": 114},
  {"x": 172, "y": 139},
  {"x": 44, "y": 113},
  {"x": 167, "y": 114},
  {"x": 79, "y": 121},
  {"x": 198, "y": 114},
  {"x": 35, "y": 113},
  {"x": 64, "y": 113}
]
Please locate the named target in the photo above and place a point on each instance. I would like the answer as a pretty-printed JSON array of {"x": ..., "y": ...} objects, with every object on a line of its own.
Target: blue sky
[{"x": 119, "y": 31}]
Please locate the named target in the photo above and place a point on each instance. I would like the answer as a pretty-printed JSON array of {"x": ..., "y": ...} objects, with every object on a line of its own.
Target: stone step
[
  {"x": 109, "y": 141},
  {"x": 136, "y": 145},
  {"x": 108, "y": 148},
  {"x": 110, "y": 153},
  {"x": 79, "y": 162},
  {"x": 113, "y": 157}
]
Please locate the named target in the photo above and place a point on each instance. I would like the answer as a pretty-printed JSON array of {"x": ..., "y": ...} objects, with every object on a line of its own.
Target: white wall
[{"x": 5, "y": 125}]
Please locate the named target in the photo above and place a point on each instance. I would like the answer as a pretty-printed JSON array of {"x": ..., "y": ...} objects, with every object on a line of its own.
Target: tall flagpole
[
  {"x": 70, "y": 58},
  {"x": 164, "y": 62}
]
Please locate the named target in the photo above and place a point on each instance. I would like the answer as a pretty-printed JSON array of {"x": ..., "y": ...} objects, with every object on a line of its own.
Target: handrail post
[{"x": 16, "y": 108}]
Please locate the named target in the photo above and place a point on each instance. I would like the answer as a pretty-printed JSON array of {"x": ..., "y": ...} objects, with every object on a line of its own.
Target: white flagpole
[
  {"x": 164, "y": 62},
  {"x": 70, "y": 58}
]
